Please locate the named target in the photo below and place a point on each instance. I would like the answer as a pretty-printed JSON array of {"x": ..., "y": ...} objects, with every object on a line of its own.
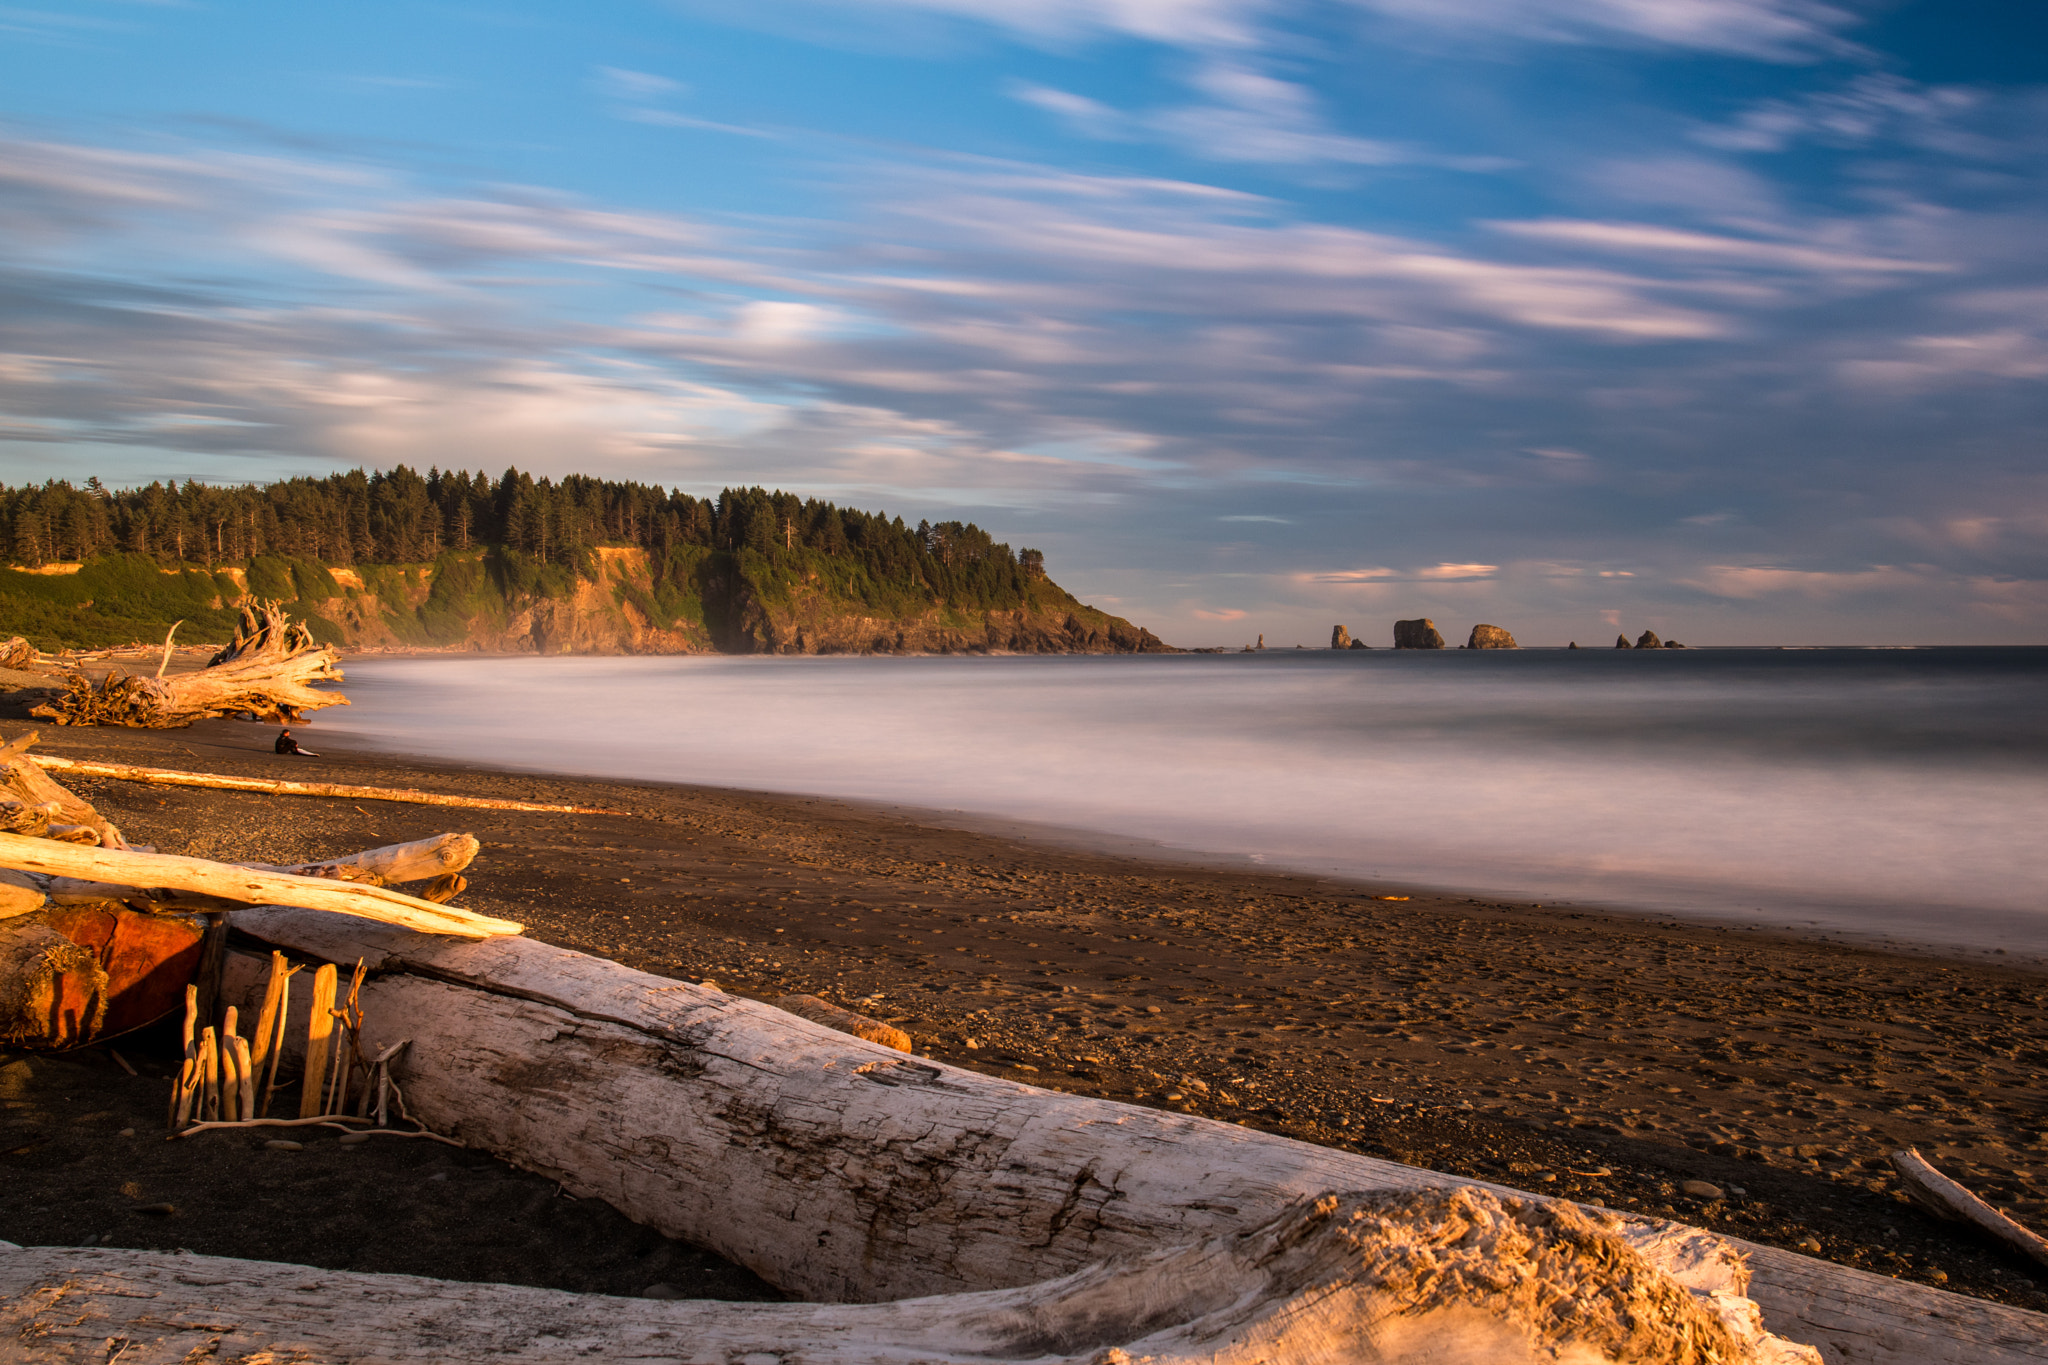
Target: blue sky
[{"x": 1723, "y": 317}]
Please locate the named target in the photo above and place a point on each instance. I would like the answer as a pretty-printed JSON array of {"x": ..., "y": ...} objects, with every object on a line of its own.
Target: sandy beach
[{"x": 1605, "y": 1057}]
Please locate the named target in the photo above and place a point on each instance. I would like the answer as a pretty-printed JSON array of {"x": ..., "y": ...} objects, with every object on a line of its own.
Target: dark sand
[{"x": 1603, "y": 1057}]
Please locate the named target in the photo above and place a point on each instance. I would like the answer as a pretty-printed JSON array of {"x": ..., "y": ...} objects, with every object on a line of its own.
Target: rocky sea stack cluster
[{"x": 1421, "y": 633}]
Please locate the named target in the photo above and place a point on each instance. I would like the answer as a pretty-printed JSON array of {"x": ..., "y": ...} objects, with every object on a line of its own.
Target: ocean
[{"x": 1866, "y": 793}]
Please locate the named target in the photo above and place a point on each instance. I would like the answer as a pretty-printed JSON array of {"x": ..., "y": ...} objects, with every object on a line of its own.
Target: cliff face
[{"x": 700, "y": 603}]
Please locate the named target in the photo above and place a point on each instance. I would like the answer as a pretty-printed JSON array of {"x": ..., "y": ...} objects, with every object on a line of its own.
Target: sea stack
[
  {"x": 1262, "y": 641},
  {"x": 1340, "y": 638},
  {"x": 1621, "y": 642},
  {"x": 1417, "y": 634},
  {"x": 1490, "y": 637},
  {"x": 1648, "y": 640}
]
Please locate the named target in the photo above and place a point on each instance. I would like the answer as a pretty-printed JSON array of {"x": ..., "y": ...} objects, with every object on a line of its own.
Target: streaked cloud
[{"x": 1773, "y": 30}]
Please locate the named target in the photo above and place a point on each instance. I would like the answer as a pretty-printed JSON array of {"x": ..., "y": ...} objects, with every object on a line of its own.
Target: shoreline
[{"x": 1607, "y": 1057}]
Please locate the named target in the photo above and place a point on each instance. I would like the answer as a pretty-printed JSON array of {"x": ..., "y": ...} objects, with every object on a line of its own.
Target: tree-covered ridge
[
  {"x": 719, "y": 567},
  {"x": 401, "y": 517}
]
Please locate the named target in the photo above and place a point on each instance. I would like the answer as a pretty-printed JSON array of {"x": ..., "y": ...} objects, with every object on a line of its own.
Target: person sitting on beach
[{"x": 287, "y": 745}]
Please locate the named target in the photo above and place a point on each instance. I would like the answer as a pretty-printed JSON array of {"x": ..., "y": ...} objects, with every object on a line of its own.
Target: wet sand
[{"x": 1605, "y": 1057}]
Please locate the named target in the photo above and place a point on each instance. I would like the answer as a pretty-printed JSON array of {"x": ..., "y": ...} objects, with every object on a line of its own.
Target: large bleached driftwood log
[
  {"x": 841, "y": 1170},
  {"x": 198, "y": 883},
  {"x": 267, "y": 670},
  {"x": 171, "y": 777},
  {"x": 1421, "y": 1278}
]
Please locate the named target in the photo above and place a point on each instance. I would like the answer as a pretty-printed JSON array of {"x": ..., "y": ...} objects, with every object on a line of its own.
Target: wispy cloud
[
  {"x": 1435, "y": 573},
  {"x": 1668, "y": 243},
  {"x": 1242, "y": 114},
  {"x": 1772, "y": 30},
  {"x": 1874, "y": 106}
]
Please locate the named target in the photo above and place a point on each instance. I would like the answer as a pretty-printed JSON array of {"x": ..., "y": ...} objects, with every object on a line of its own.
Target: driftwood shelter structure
[{"x": 924, "y": 1213}]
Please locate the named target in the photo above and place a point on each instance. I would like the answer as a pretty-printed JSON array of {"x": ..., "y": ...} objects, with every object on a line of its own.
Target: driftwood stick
[
  {"x": 172, "y": 777},
  {"x": 184, "y": 1091},
  {"x": 244, "y": 885},
  {"x": 351, "y": 1016},
  {"x": 209, "y": 1073},
  {"x": 230, "y": 1079},
  {"x": 284, "y": 1004},
  {"x": 1944, "y": 1198},
  {"x": 230, "y": 1068},
  {"x": 188, "y": 1074},
  {"x": 266, "y": 1018},
  {"x": 213, "y": 963},
  {"x": 245, "y": 1080},
  {"x": 384, "y": 1080},
  {"x": 335, "y": 1121},
  {"x": 329, "y": 1120},
  {"x": 319, "y": 1044},
  {"x": 164, "y": 667},
  {"x": 336, "y": 1100}
]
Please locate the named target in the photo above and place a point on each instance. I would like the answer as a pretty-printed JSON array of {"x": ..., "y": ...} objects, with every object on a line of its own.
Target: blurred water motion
[{"x": 1882, "y": 792}]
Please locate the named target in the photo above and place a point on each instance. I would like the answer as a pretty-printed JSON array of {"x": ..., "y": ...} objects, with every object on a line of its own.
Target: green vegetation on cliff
[{"x": 455, "y": 559}]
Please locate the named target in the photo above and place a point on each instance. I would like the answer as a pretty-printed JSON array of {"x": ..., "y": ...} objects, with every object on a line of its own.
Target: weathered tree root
[{"x": 267, "y": 670}]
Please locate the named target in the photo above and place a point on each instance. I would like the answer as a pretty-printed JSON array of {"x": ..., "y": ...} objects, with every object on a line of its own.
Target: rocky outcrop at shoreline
[
  {"x": 1490, "y": 637},
  {"x": 1420, "y": 633}
]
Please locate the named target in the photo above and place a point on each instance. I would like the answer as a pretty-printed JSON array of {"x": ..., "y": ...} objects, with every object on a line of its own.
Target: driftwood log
[
  {"x": 171, "y": 777},
  {"x": 267, "y": 670},
  {"x": 1944, "y": 1198},
  {"x": 844, "y": 1171},
  {"x": 197, "y": 883},
  {"x": 31, "y": 803},
  {"x": 1422, "y": 1278},
  {"x": 17, "y": 654}
]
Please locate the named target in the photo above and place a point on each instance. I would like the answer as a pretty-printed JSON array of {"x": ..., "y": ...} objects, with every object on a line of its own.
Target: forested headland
[{"x": 451, "y": 559}]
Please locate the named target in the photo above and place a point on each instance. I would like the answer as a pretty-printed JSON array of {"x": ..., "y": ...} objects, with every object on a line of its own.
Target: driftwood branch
[
  {"x": 332, "y": 1120},
  {"x": 1443, "y": 1276},
  {"x": 243, "y": 886},
  {"x": 170, "y": 777},
  {"x": 1944, "y": 1198},
  {"x": 165, "y": 666},
  {"x": 267, "y": 671}
]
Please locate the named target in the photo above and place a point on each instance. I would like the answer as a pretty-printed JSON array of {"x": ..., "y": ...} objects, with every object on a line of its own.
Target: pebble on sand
[
  {"x": 284, "y": 1145},
  {"x": 1701, "y": 1189}
]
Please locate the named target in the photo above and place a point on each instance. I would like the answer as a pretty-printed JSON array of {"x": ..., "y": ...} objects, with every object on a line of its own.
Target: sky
[{"x": 1722, "y": 318}]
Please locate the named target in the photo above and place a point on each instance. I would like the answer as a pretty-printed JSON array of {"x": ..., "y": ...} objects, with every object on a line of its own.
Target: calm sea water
[{"x": 1876, "y": 792}]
